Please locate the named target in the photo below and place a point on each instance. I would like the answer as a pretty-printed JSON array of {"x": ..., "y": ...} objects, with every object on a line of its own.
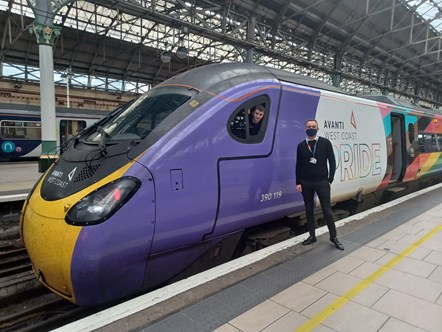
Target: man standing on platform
[{"x": 313, "y": 175}]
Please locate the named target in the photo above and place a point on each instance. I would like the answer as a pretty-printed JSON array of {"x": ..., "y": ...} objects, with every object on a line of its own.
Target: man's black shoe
[
  {"x": 311, "y": 239},
  {"x": 337, "y": 244}
]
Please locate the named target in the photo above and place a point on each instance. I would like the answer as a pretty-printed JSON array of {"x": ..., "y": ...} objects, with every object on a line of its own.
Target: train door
[
  {"x": 70, "y": 128},
  {"x": 397, "y": 160},
  {"x": 245, "y": 177}
]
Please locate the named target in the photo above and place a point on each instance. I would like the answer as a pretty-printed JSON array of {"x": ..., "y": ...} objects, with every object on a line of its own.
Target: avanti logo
[
  {"x": 353, "y": 120},
  {"x": 71, "y": 174}
]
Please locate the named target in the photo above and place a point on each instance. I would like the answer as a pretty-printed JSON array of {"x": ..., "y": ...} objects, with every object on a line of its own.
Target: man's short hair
[
  {"x": 258, "y": 108},
  {"x": 313, "y": 121}
]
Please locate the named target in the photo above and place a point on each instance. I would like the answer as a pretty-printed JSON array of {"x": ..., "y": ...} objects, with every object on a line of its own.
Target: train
[
  {"x": 20, "y": 129},
  {"x": 175, "y": 183}
]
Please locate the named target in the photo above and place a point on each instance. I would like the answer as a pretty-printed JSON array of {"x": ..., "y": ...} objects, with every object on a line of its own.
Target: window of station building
[
  {"x": 248, "y": 123},
  {"x": 30, "y": 130},
  {"x": 430, "y": 142}
]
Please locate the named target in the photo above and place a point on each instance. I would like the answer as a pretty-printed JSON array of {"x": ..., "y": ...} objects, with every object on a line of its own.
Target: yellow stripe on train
[{"x": 50, "y": 241}]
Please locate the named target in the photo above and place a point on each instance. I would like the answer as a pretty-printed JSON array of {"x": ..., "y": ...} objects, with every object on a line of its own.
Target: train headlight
[{"x": 101, "y": 204}]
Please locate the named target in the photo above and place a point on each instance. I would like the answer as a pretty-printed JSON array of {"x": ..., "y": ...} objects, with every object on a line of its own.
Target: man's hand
[{"x": 299, "y": 188}]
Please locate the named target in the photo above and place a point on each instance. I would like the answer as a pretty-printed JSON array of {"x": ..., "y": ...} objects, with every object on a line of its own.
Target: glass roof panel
[{"x": 429, "y": 10}]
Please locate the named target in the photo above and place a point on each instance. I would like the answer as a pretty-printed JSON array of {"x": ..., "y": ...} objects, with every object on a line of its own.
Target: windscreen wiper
[{"x": 102, "y": 144}]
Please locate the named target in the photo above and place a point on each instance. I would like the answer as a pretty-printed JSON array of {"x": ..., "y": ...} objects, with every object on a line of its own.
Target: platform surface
[
  {"x": 388, "y": 278},
  {"x": 17, "y": 179},
  {"x": 393, "y": 283}
]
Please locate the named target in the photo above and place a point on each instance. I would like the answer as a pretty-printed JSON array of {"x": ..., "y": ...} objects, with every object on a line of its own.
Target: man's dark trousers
[{"x": 322, "y": 189}]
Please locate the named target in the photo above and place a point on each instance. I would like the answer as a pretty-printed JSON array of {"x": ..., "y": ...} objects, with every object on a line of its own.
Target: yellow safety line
[{"x": 338, "y": 303}]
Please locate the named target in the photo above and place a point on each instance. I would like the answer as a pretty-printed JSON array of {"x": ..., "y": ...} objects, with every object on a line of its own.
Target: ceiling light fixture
[
  {"x": 165, "y": 56},
  {"x": 181, "y": 52}
]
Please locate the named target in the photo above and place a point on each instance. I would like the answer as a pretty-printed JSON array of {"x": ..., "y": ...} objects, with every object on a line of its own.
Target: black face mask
[{"x": 311, "y": 132}]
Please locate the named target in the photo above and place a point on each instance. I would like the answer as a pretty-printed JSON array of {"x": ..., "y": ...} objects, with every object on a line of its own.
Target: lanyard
[{"x": 310, "y": 149}]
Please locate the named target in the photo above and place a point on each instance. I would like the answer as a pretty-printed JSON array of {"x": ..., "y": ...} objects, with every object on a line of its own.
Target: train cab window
[
  {"x": 29, "y": 130},
  {"x": 248, "y": 123},
  {"x": 145, "y": 114}
]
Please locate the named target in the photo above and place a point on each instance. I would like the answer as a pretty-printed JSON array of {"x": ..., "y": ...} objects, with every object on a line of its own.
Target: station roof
[{"x": 374, "y": 43}]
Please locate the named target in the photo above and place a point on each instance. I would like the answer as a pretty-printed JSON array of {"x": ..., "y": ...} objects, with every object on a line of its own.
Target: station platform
[
  {"x": 388, "y": 278},
  {"x": 17, "y": 179}
]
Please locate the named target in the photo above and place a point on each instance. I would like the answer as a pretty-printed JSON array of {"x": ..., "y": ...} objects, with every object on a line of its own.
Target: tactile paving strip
[{"x": 222, "y": 307}]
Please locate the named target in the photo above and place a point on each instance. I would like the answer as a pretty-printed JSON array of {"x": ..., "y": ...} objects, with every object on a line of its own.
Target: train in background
[
  {"x": 20, "y": 128},
  {"x": 176, "y": 183}
]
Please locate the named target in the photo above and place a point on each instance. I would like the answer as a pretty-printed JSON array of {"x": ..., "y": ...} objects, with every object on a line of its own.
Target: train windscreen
[{"x": 139, "y": 119}]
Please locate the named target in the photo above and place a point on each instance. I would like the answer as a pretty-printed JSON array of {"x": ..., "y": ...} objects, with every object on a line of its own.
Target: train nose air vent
[{"x": 86, "y": 172}]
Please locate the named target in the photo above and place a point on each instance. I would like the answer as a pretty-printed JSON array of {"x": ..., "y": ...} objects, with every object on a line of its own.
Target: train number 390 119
[{"x": 270, "y": 196}]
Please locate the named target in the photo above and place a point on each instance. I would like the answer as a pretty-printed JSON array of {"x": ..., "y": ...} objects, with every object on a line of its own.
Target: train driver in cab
[{"x": 256, "y": 116}]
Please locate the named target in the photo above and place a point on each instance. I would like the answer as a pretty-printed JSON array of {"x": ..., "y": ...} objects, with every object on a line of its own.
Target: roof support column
[
  {"x": 250, "y": 38},
  {"x": 385, "y": 89},
  {"x": 437, "y": 99},
  {"x": 336, "y": 79},
  {"x": 337, "y": 72},
  {"x": 44, "y": 31},
  {"x": 417, "y": 91}
]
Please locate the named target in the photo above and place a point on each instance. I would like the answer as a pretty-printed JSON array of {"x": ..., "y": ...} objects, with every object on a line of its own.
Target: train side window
[
  {"x": 421, "y": 141},
  {"x": 411, "y": 133},
  {"x": 30, "y": 130},
  {"x": 248, "y": 123},
  {"x": 33, "y": 130},
  {"x": 435, "y": 142},
  {"x": 430, "y": 143},
  {"x": 70, "y": 128}
]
